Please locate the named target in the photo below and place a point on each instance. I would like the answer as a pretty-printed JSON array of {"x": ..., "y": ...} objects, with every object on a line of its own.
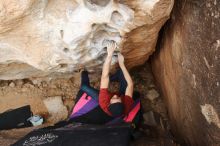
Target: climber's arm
[
  {"x": 106, "y": 67},
  {"x": 130, "y": 86}
]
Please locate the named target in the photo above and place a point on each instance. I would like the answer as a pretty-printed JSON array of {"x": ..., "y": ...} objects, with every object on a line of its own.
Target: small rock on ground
[
  {"x": 12, "y": 84},
  {"x": 152, "y": 94}
]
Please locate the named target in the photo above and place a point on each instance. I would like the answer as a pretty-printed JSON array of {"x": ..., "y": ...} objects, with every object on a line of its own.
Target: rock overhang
[{"x": 54, "y": 37}]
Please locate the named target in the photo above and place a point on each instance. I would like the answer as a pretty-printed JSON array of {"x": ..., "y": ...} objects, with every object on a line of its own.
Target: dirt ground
[{"x": 14, "y": 94}]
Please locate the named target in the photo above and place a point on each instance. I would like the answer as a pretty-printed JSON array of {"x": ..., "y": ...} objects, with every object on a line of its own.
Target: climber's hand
[
  {"x": 120, "y": 59},
  {"x": 111, "y": 46}
]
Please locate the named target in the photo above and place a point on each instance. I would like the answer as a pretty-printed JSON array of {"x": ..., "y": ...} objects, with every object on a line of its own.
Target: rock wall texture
[
  {"x": 51, "y": 37},
  {"x": 187, "y": 68}
]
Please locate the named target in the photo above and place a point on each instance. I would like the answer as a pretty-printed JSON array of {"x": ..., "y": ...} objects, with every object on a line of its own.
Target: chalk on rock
[
  {"x": 57, "y": 110},
  {"x": 82, "y": 34}
]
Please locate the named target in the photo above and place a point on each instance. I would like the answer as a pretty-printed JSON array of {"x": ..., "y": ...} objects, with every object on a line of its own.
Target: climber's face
[{"x": 115, "y": 99}]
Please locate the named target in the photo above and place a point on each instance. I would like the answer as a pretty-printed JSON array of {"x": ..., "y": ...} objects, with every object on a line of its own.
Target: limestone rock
[
  {"x": 36, "y": 82},
  {"x": 3, "y": 83},
  {"x": 12, "y": 84},
  {"x": 41, "y": 38},
  {"x": 28, "y": 85},
  {"x": 69, "y": 103},
  {"x": 187, "y": 68},
  {"x": 24, "y": 89},
  {"x": 19, "y": 82},
  {"x": 151, "y": 118},
  {"x": 152, "y": 94}
]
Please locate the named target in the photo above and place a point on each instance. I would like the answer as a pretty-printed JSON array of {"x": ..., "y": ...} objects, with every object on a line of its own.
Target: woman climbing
[
  {"x": 118, "y": 104},
  {"x": 100, "y": 107}
]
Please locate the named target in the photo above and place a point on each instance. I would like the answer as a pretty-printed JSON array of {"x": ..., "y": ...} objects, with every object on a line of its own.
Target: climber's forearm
[
  {"x": 130, "y": 86},
  {"x": 105, "y": 72},
  {"x": 126, "y": 75},
  {"x": 106, "y": 66}
]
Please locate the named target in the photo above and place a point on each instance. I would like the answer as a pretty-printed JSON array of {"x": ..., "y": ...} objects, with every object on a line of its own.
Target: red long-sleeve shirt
[{"x": 105, "y": 97}]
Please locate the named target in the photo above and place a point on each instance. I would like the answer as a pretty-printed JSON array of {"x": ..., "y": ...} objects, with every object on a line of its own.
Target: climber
[
  {"x": 118, "y": 104},
  {"x": 101, "y": 107}
]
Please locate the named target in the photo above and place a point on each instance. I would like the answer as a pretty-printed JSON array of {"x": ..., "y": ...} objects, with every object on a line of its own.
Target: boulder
[
  {"x": 41, "y": 38},
  {"x": 187, "y": 69}
]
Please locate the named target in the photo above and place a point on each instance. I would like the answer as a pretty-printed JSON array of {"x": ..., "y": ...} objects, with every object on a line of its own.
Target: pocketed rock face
[
  {"x": 187, "y": 68},
  {"x": 41, "y": 38}
]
